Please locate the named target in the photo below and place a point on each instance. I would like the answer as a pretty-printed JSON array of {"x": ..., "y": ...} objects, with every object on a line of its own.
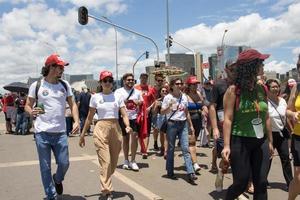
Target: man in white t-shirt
[
  {"x": 50, "y": 95},
  {"x": 132, "y": 99}
]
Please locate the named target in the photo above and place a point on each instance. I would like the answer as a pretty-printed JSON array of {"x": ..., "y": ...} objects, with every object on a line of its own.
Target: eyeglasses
[
  {"x": 108, "y": 81},
  {"x": 129, "y": 80},
  {"x": 178, "y": 83}
]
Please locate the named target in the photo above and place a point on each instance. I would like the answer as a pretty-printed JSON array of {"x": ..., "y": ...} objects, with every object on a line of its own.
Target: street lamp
[
  {"x": 146, "y": 53},
  {"x": 222, "y": 43},
  {"x": 83, "y": 20},
  {"x": 116, "y": 38}
]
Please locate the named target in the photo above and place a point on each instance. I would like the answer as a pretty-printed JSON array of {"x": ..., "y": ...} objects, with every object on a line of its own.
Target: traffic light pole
[
  {"x": 131, "y": 31},
  {"x": 138, "y": 60}
]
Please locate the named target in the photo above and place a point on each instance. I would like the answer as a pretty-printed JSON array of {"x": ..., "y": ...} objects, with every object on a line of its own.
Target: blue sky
[{"x": 33, "y": 29}]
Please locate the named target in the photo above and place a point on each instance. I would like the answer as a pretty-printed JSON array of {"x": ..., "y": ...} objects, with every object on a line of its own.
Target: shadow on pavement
[
  {"x": 69, "y": 197},
  {"x": 180, "y": 176},
  {"x": 141, "y": 165},
  {"x": 218, "y": 195},
  {"x": 116, "y": 195}
]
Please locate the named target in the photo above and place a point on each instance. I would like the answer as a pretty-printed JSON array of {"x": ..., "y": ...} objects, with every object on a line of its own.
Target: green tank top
[{"x": 248, "y": 110}]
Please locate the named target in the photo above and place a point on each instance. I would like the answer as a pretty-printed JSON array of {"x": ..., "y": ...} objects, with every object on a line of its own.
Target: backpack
[{"x": 38, "y": 85}]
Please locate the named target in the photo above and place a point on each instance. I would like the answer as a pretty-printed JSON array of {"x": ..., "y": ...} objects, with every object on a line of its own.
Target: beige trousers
[{"x": 108, "y": 140}]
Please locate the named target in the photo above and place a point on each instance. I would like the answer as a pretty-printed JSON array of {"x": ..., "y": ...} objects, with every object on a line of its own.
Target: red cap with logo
[
  {"x": 55, "y": 59},
  {"x": 192, "y": 80},
  {"x": 250, "y": 55},
  {"x": 105, "y": 74}
]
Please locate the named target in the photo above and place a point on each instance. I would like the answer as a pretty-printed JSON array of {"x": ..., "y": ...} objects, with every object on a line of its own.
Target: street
[{"x": 20, "y": 176}]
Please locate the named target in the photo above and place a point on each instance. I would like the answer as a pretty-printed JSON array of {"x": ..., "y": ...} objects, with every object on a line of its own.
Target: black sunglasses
[
  {"x": 160, "y": 80},
  {"x": 108, "y": 81},
  {"x": 178, "y": 83}
]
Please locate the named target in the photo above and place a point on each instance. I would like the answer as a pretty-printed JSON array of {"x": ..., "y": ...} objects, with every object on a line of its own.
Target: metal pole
[
  {"x": 116, "y": 38},
  {"x": 51, "y": 46},
  {"x": 137, "y": 61},
  {"x": 131, "y": 31},
  {"x": 168, "y": 35},
  {"x": 225, "y": 31}
]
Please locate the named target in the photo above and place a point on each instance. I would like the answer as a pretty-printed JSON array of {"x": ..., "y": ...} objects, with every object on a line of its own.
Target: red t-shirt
[{"x": 148, "y": 94}]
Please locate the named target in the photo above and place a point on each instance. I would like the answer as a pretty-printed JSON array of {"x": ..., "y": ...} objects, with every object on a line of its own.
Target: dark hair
[
  {"x": 159, "y": 75},
  {"x": 144, "y": 74},
  {"x": 270, "y": 81},
  {"x": 159, "y": 91},
  {"x": 247, "y": 74},
  {"x": 172, "y": 83},
  {"x": 126, "y": 75},
  {"x": 45, "y": 71}
]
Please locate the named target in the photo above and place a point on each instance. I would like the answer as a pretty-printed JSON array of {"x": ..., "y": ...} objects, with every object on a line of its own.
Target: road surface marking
[{"x": 137, "y": 187}]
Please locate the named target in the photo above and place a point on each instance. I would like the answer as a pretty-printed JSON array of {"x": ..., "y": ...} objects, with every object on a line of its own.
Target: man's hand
[
  {"x": 216, "y": 133},
  {"x": 75, "y": 128},
  {"x": 36, "y": 111},
  {"x": 81, "y": 140},
  {"x": 226, "y": 153},
  {"x": 128, "y": 130}
]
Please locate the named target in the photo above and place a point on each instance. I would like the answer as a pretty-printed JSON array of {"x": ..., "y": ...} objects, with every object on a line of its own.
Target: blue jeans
[
  {"x": 58, "y": 143},
  {"x": 69, "y": 125},
  {"x": 180, "y": 129},
  {"x": 21, "y": 123}
]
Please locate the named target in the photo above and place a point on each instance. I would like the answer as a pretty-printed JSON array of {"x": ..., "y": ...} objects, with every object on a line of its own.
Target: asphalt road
[{"x": 20, "y": 176}]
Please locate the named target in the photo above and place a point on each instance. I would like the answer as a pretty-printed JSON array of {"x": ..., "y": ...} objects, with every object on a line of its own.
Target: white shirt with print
[
  {"x": 136, "y": 95},
  {"x": 53, "y": 97},
  {"x": 107, "y": 105},
  {"x": 180, "y": 113}
]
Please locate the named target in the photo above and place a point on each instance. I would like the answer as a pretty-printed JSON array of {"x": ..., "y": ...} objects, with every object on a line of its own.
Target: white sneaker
[
  {"x": 242, "y": 197},
  {"x": 196, "y": 167},
  {"x": 126, "y": 164},
  {"x": 134, "y": 166},
  {"x": 219, "y": 181}
]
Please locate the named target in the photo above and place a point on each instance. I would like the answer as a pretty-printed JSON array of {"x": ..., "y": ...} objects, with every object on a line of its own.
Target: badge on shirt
[{"x": 45, "y": 93}]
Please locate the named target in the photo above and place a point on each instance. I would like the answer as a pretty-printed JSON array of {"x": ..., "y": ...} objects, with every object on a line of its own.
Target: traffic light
[
  {"x": 147, "y": 54},
  {"x": 169, "y": 41},
  {"x": 83, "y": 15}
]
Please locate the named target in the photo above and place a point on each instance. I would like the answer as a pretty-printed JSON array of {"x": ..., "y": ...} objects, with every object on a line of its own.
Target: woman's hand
[
  {"x": 226, "y": 153},
  {"x": 81, "y": 141},
  {"x": 271, "y": 149},
  {"x": 128, "y": 129}
]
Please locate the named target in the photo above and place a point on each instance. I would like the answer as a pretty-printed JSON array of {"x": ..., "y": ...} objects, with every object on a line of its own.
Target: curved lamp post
[{"x": 147, "y": 56}]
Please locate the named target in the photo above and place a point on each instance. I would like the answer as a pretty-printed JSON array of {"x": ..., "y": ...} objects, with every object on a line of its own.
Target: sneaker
[
  {"x": 242, "y": 197},
  {"x": 58, "y": 186},
  {"x": 219, "y": 181},
  {"x": 134, "y": 166},
  {"x": 109, "y": 197},
  {"x": 126, "y": 164},
  {"x": 196, "y": 167}
]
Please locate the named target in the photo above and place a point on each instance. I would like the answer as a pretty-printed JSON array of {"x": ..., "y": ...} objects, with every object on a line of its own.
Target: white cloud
[
  {"x": 278, "y": 66},
  {"x": 281, "y": 5},
  {"x": 251, "y": 30},
  {"x": 20, "y": 1}
]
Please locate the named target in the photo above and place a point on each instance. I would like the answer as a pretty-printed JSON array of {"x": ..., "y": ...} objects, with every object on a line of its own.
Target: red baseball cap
[
  {"x": 251, "y": 54},
  {"x": 192, "y": 80},
  {"x": 55, "y": 59},
  {"x": 105, "y": 74}
]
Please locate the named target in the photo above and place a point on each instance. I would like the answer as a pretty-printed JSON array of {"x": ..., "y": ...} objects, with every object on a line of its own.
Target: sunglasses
[
  {"x": 160, "y": 81},
  {"x": 108, "y": 81},
  {"x": 164, "y": 91},
  {"x": 178, "y": 83},
  {"x": 129, "y": 80}
]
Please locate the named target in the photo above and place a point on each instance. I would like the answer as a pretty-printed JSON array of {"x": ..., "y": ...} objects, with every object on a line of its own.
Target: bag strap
[
  {"x": 38, "y": 85},
  {"x": 276, "y": 111},
  {"x": 176, "y": 109},
  {"x": 131, "y": 92}
]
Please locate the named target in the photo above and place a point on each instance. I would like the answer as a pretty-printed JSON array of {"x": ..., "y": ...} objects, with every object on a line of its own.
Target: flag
[{"x": 205, "y": 65}]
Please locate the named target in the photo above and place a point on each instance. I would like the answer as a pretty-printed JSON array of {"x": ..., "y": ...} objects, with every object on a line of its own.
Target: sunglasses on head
[{"x": 108, "y": 80}]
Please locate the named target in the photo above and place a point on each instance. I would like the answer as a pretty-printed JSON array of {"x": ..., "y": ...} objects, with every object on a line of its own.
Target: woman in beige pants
[{"x": 107, "y": 132}]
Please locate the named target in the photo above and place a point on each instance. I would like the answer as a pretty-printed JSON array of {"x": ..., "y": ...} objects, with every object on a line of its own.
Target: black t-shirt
[
  {"x": 217, "y": 93},
  {"x": 20, "y": 104},
  {"x": 84, "y": 99}
]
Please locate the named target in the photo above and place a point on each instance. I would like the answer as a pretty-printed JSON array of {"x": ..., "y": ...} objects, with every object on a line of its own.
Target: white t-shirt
[
  {"x": 274, "y": 116},
  {"x": 107, "y": 106},
  {"x": 131, "y": 108},
  {"x": 180, "y": 113},
  {"x": 53, "y": 97}
]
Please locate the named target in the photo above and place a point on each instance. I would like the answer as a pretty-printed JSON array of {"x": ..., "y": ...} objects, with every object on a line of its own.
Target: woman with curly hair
[{"x": 247, "y": 131}]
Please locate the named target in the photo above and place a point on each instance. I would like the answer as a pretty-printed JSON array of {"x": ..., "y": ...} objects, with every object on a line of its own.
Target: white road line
[
  {"x": 36, "y": 162},
  {"x": 142, "y": 190}
]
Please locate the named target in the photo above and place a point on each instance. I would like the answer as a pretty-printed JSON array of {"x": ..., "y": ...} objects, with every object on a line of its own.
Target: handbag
[
  {"x": 285, "y": 132},
  {"x": 164, "y": 125}
]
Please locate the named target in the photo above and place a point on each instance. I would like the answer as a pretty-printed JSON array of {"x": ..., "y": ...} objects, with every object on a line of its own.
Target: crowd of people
[{"x": 247, "y": 117}]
